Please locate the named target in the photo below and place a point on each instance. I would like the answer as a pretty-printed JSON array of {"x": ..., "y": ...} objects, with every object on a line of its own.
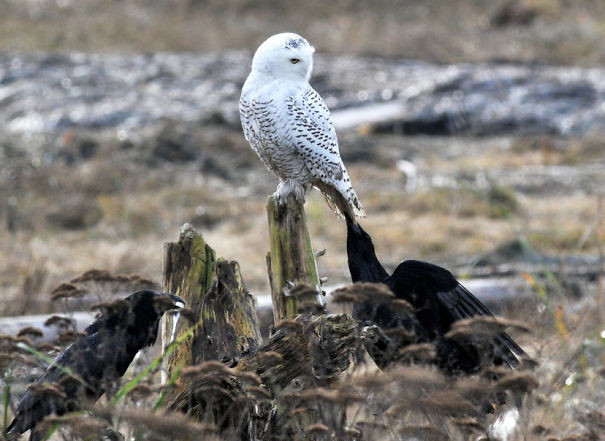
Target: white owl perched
[{"x": 289, "y": 126}]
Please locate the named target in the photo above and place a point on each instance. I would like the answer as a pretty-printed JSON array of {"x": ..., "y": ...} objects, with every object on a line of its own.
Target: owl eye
[{"x": 294, "y": 60}]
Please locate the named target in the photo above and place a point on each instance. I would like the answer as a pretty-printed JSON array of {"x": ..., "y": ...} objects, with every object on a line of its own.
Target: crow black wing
[
  {"x": 83, "y": 370},
  {"x": 439, "y": 297},
  {"x": 462, "y": 304}
]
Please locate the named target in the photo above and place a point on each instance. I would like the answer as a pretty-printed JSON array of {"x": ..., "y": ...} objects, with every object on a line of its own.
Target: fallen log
[{"x": 495, "y": 293}]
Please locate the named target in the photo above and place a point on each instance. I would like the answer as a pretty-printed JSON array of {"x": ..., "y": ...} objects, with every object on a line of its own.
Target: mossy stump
[
  {"x": 291, "y": 259},
  {"x": 223, "y": 310}
]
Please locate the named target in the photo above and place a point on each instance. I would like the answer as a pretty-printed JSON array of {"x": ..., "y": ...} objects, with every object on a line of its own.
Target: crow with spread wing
[
  {"x": 438, "y": 301},
  {"x": 93, "y": 364}
]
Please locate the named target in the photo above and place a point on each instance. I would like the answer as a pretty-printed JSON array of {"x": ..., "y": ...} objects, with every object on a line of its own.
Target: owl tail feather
[{"x": 348, "y": 207}]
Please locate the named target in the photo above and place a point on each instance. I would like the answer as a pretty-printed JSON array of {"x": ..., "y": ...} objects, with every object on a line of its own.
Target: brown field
[
  {"x": 553, "y": 31},
  {"x": 473, "y": 199}
]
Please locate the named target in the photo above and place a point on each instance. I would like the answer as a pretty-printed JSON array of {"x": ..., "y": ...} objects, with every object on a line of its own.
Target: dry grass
[
  {"x": 141, "y": 205},
  {"x": 560, "y": 398},
  {"x": 48, "y": 235},
  {"x": 557, "y": 31}
]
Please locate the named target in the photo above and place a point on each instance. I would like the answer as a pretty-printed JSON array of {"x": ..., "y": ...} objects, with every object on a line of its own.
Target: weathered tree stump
[
  {"x": 291, "y": 259},
  {"x": 223, "y": 310},
  {"x": 228, "y": 317}
]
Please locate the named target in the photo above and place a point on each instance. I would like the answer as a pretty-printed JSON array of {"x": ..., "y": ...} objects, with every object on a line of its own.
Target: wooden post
[
  {"x": 213, "y": 289},
  {"x": 291, "y": 259}
]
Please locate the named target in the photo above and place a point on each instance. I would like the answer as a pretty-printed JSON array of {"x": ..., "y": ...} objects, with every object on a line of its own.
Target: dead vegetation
[
  {"x": 83, "y": 200},
  {"x": 467, "y": 202},
  {"x": 555, "y": 31},
  {"x": 559, "y": 396}
]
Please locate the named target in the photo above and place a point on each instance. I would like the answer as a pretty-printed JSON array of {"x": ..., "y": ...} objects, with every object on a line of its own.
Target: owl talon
[{"x": 287, "y": 187}]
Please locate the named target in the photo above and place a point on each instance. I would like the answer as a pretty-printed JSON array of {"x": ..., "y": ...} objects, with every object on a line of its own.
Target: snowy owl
[{"x": 289, "y": 126}]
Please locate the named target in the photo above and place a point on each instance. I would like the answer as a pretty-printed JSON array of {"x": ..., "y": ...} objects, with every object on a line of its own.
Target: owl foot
[{"x": 287, "y": 187}]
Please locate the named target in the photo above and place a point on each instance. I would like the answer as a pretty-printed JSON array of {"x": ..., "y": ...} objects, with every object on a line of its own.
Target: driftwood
[
  {"x": 291, "y": 259},
  {"x": 495, "y": 293},
  {"x": 45, "y": 328}
]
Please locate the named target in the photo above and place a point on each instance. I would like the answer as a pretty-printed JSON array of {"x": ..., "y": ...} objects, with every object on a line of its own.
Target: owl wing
[
  {"x": 257, "y": 125},
  {"x": 313, "y": 136}
]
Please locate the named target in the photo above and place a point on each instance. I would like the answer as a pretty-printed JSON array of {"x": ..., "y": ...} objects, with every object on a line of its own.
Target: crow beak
[{"x": 178, "y": 303}]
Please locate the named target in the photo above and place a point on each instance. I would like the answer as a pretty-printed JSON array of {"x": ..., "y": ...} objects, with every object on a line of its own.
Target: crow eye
[{"x": 294, "y": 60}]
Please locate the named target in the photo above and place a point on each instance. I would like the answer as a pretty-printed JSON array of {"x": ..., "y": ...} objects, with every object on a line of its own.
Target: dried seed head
[
  {"x": 43, "y": 390},
  {"x": 468, "y": 425},
  {"x": 447, "y": 403},
  {"x": 289, "y": 325},
  {"x": 269, "y": 358},
  {"x": 328, "y": 395},
  {"x": 48, "y": 347},
  {"x": 140, "y": 391},
  {"x": 417, "y": 377},
  {"x": 259, "y": 392},
  {"x": 248, "y": 378},
  {"x": 298, "y": 411},
  {"x": 311, "y": 307},
  {"x": 424, "y": 433},
  {"x": 417, "y": 353},
  {"x": 482, "y": 327},
  {"x": 317, "y": 429},
  {"x": 163, "y": 426},
  {"x": 66, "y": 291},
  {"x": 31, "y": 332},
  {"x": 304, "y": 291},
  {"x": 94, "y": 275},
  {"x": 360, "y": 292},
  {"x": 373, "y": 380},
  {"x": 60, "y": 322},
  {"x": 142, "y": 282},
  {"x": 68, "y": 337},
  {"x": 517, "y": 383},
  {"x": 119, "y": 306},
  {"x": 215, "y": 368},
  {"x": 400, "y": 333},
  {"x": 402, "y": 307}
]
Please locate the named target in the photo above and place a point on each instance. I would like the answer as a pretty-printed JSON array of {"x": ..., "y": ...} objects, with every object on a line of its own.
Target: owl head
[{"x": 284, "y": 55}]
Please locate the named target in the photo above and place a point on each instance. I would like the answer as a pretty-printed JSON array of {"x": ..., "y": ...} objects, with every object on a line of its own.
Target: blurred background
[
  {"x": 472, "y": 130},
  {"x": 473, "y": 135}
]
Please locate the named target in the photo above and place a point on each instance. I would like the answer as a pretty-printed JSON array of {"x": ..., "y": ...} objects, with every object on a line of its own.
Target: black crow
[
  {"x": 93, "y": 364},
  {"x": 438, "y": 300}
]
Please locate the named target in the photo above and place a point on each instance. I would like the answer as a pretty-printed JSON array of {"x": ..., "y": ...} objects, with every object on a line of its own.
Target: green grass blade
[
  {"x": 51, "y": 432},
  {"x": 5, "y": 401},
  {"x": 52, "y": 362},
  {"x": 136, "y": 380},
  {"x": 164, "y": 393}
]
